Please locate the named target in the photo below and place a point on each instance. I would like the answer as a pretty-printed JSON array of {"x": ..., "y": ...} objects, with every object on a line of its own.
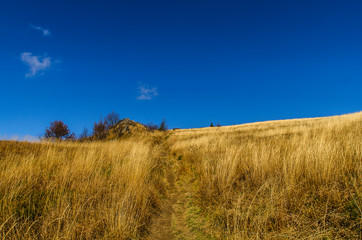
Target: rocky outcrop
[{"x": 125, "y": 127}]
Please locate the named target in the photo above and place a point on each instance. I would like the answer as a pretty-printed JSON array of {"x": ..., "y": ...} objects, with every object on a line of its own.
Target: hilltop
[{"x": 125, "y": 127}]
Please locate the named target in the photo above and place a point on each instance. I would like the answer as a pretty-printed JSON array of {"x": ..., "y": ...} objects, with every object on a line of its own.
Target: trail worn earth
[{"x": 179, "y": 218}]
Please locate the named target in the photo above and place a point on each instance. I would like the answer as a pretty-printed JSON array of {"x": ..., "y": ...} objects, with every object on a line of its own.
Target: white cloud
[
  {"x": 35, "y": 63},
  {"x": 45, "y": 32},
  {"x": 146, "y": 92}
]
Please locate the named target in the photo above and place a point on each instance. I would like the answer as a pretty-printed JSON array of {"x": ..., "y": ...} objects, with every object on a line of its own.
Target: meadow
[
  {"x": 67, "y": 190},
  {"x": 292, "y": 179},
  {"x": 287, "y": 179}
]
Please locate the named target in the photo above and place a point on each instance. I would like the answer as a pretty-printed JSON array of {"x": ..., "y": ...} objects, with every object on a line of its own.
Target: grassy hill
[{"x": 289, "y": 179}]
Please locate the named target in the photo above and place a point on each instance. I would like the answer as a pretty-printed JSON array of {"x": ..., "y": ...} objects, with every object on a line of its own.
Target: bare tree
[
  {"x": 84, "y": 134},
  {"x": 163, "y": 125},
  {"x": 58, "y": 130},
  {"x": 151, "y": 126},
  {"x": 99, "y": 130},
  {"x": 111, "y": 119}
]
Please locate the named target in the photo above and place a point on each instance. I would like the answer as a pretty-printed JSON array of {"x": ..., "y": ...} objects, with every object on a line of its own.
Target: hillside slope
[{"x": 289, "y": 179}]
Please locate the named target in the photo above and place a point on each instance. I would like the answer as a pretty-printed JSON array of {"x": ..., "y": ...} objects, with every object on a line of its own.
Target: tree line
[{"x": 58, "y": 130}]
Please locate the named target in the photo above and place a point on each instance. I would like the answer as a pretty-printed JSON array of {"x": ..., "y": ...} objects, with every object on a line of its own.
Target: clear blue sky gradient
[{"x": 226, "y": 62}]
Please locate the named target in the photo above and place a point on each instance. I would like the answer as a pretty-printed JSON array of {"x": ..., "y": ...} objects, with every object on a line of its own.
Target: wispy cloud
[
  {"x": 45, "y": 32},
  {"x": 146, "y": 92},
  {"x": 35, "y": 63}
]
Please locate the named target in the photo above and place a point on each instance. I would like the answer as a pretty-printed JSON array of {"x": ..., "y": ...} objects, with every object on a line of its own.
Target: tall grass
[
  {"x": 95, "y": 190},
  {"x": 295, "y": 179}
]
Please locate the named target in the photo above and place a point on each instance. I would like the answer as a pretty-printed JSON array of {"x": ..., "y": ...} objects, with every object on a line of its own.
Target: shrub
[
  {"x": 163, "y": 125},
  {"x": 99, "y": 130},
  {"x": 58, "y": 130},
  {"x": 151, "y": 126},
  {"x": 111, "y": 119}
]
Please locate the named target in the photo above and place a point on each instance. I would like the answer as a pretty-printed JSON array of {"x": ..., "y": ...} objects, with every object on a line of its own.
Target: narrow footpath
[{"x": 179, "y": 218}]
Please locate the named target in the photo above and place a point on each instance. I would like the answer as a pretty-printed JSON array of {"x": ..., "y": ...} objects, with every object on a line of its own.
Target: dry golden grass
[
  {"x": 96, "y": 190},
  {"x": 291, "y": 179}
]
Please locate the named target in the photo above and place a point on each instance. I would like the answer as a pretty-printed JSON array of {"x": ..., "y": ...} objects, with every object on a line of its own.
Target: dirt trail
[
  {"x": 178, "y": 219},
  {"x": 174, "y": 220},
  {"x": 168, "y": 225},
  {"x": 162, "y": 227}
]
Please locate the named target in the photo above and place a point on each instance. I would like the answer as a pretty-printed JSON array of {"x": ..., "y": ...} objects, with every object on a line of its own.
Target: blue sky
[{"x": 191, "y": 62}]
